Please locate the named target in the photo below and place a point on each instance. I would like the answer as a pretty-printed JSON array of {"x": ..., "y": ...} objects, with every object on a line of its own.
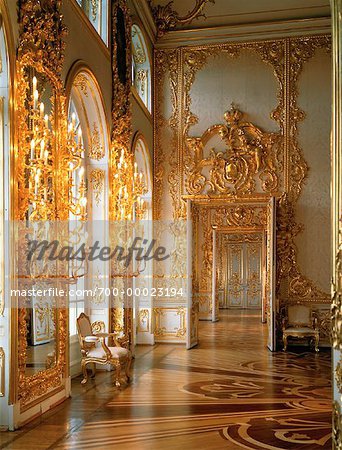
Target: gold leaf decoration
[{"x": 97, "y": 177}]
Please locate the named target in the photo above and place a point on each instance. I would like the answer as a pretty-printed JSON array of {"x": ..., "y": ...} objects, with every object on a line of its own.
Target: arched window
[
  {"x": 141, "y": 67},
  {"x": 143, "y": 305},
  {"x": 143, "y": 160},
  {"x": 86, "y": 112},
  {"x": 97, "y": 13}
]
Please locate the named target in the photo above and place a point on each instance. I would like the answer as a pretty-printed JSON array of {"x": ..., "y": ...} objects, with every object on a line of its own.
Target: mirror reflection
[{"x": 40, "y": 313}]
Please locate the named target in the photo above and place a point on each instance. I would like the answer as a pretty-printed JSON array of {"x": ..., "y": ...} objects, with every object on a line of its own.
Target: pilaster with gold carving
[{"x": 336, "y": 204}]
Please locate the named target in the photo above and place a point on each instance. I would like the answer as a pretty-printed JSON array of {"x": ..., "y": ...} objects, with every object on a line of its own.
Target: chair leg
[
  {"x": 117, "y": 373},
  {"x": 285, "y": 343},
  {"x": 93, "y": 370},
  {"x": 84, "y": 371},
  {"x": 128, "y": 367},
  {"x": 316, "y": 343}
]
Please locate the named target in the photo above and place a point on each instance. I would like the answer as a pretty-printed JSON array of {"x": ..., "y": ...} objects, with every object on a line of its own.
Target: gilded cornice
[{"x": 245, "y": 32}]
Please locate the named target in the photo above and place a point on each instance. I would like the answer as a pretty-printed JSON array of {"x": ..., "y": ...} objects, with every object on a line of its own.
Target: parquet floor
[{"x": 229, "y": 393}]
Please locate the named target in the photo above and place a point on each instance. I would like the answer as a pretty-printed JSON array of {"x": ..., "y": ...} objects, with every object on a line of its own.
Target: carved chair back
[
  {"x": 299, "y": 315},
  {"x": 84, "y": 329}
]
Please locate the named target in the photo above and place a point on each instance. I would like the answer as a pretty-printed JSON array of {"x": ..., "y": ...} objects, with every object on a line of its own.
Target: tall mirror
[{"x": 41, "y": 319}]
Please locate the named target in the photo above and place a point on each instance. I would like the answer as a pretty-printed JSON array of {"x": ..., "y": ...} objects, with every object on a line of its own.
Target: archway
[{"x": 87, "y": 114}]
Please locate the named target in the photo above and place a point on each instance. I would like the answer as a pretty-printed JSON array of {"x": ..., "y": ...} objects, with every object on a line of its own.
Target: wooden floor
[{"x": 228, "y": 393}]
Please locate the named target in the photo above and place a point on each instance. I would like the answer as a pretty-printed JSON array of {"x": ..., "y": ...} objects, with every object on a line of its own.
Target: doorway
[{"x": 241, "y": 271}]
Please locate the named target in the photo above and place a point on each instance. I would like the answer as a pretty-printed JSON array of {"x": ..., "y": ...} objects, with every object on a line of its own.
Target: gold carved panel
[
  {"x": 249, "y": 163},
  {"x": 261, "y": 165}
]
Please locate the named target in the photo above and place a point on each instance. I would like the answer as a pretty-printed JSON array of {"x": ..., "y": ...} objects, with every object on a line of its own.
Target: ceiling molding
[{"x": 231, "y": 33}]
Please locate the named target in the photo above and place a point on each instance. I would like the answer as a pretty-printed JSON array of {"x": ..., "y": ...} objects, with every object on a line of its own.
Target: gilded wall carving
[
  {"x": 190, "y": 173},
  {"x": 121, "y": 79},
  {"x": 248, "y": 164},
  {"x": 121, "y": 129},
  {"x": 336, "y": 308},
  {"x": 97, "y": 179},
  {"x": 165, "y": 62},
  {"x": 300, "y": 287},
  {"x": 167, "y": 19}
]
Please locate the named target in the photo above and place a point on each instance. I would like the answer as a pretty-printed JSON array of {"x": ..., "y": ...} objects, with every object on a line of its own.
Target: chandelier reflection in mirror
[
  {"x": 129, "y": 187},
  {"x": 77, "y": 183},
  {"x": 41, "y": 163},
  {"x": 40, "y": 139}
]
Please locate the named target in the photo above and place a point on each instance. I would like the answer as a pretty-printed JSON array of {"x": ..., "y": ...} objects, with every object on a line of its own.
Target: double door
[{"x": 244, "y": 274}]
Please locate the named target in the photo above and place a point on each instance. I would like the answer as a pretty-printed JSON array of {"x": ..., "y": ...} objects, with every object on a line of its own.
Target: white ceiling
[{"x": 233, "y": 12}]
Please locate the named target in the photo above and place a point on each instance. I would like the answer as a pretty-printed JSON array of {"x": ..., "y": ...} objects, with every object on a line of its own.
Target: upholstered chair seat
[
  {"x": 96, "y": 351},
  {"x": 299, "y": 323},
  {"x": 116, "y": 352}
]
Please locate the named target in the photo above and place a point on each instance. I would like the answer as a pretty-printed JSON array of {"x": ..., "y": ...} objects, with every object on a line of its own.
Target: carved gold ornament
[
  {"x": 143, "y": 321},
  {"x": 81, "y": 82},
  {"x": 122, "y": 126},
  {"x": 94, "y": 8},
  {"x": 167, "y": 19},
  {"x": 139, "y": 54},
  {"x": 141, "y": 79},
  {"x": 249, "y": 154},
  {"x": 337, "y": 426},
  {"x": 98, "y": 327},
  {"x": 300, "y": 287},
  {"x": 96, "y": 150},
  {"x": 336, "y": 308},
  {"x": 97, "y": 178}
]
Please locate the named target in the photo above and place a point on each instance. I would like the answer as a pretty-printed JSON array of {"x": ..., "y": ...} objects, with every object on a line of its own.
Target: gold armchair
[
  {"x": 300, "y": 323},
  {"x": 93, "y": 353}
]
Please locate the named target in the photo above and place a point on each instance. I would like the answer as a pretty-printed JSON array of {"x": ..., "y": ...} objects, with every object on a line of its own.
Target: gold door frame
[{"x": 231, "y": 216}]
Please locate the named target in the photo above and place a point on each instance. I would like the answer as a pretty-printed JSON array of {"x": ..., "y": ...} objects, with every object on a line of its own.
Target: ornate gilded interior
[{"x": 212, "y": 141}]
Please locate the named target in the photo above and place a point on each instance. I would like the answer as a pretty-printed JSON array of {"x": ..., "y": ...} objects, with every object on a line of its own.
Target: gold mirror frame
[
  {"x": 32, "y": 386},
  {"x": 46, "y": 56}
]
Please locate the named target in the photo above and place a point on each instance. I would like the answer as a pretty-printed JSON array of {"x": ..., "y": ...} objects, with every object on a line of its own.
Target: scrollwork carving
[
  {"x": 336, "y": 308},
  {"x": 337, "y": 426},
  {"x": 167, "y": 19},
  {"x": 300, "y": 287},
  {"x": 249, "y": 153},
  {"x": 97, "y": 178},
  {"x": 300, "y": 51}
]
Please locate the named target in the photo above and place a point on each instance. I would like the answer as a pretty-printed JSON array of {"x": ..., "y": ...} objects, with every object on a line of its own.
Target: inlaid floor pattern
[{"x": 228, "y": 393}]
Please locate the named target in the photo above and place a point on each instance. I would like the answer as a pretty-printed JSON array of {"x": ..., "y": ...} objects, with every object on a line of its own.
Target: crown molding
[
  {"x": 144, "y": 13},
  {"x": 242, "y": 32}
]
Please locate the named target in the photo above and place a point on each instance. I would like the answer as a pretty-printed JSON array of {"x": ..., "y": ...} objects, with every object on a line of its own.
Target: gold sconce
[
  {"x": 128, "y": 188},
  {"x": 77, "y": 183},
  {"x": 40, "y": 140}
]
